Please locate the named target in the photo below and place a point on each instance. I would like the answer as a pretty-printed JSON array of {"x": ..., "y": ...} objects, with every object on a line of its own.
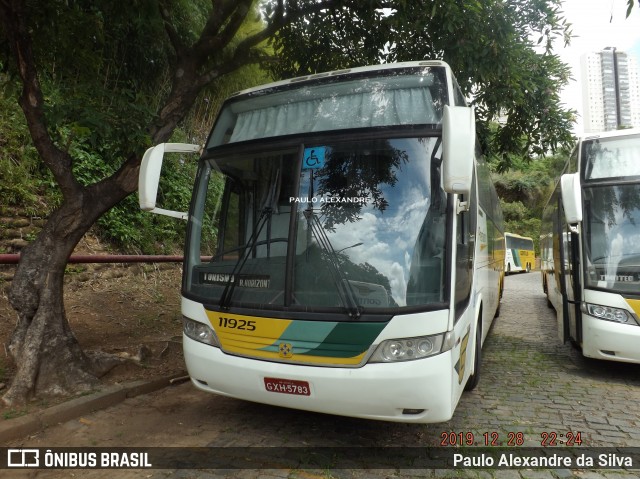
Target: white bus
[
  {"x": 590, "y": 246},
  {"x": 520, "y": 254},
  {"x": 358, "y": 257}
]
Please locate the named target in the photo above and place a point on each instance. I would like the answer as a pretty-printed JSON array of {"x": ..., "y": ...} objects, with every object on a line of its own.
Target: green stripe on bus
[
  {"x": 304, "y": 336},
  {"x": 349, "y": 339}
]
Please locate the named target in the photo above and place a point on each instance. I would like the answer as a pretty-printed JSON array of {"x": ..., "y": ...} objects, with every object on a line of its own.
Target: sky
[{"x": 596, "y": 24}]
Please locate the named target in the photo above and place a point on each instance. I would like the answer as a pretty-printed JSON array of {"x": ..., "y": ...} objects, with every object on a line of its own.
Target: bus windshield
[
  {"x": 611, "y": 157},
  {"x": 518, "y": 242},
  {"x": 356, "y": 225},
  {"x": 612, "y": 212},
  {"x": 414, "y": 96},
  {"x": 612, "y": 237}
]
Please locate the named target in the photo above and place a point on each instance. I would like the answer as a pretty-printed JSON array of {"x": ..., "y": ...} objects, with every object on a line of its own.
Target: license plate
[{"x": 287, "y": 386}]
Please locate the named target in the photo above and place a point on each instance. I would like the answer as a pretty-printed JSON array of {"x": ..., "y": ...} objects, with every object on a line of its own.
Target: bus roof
[
  {"x": 348, "y": 71},
  {"x": 610, "y": 134},
  {"x": 516, "y": 235}
]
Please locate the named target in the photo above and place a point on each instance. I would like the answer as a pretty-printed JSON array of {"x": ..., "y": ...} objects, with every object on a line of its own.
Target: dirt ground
[{"x": 129, "y": 310}]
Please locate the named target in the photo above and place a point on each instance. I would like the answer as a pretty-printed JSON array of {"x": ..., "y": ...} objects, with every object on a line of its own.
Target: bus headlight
[
  {"x": 608, "y": 313},
  {"x": 409, "y": 349},
  {"x": 199, "y": 332}
]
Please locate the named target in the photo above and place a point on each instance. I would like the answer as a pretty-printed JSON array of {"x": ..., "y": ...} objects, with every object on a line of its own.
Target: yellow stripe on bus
[
  {"x": 295, "y": 358},
  {"x": 254, "y": 331},
  {"x": 250, "y": 335},
  {"x": 635, "y": 305}
]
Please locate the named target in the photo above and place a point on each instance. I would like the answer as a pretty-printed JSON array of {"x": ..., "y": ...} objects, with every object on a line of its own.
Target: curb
[{"x": 23, "y": 426}]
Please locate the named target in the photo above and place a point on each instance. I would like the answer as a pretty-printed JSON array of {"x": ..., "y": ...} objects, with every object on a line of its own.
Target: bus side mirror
[
  {"x": 458, "y": 148},
  {"x": 571, "y": 197},
  {"x": 149, "y": 176}
]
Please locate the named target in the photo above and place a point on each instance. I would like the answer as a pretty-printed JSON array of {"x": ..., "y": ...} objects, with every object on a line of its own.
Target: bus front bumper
[
  {"x": 610, "y": 341},
  {"x": 412, "y": 391}
]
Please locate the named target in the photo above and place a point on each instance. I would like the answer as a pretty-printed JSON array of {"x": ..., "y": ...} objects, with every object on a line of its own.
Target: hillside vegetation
[
  {"x": 26, "y": 185},
  {"x": 524, "y": 190}
]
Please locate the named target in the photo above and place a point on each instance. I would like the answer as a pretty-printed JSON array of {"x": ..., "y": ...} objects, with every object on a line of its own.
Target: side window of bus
[
  {"x": 465, "y": 246},
  {"x": 464, "y": 254},
  {"x": 573, "y": 161},
  {"x": 464, "y": 262},
  {"x": 458, "y": 97},
  {"x": 231, "y": 235}
]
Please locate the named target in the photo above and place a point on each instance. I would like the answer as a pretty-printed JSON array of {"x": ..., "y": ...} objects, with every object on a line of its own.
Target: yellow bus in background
[{"x": 519, "y": 255}]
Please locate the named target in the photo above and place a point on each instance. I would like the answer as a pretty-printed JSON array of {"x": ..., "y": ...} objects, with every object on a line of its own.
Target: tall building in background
[{"x": 610, "y": 90}]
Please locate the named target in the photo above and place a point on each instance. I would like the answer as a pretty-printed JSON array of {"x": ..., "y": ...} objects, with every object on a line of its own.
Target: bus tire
[{"x": 474, "y": 379}]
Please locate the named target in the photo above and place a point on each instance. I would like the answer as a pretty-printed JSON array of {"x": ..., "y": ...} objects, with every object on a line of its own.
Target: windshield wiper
[
  {"x": 269, "y": 205},
  {"x": 345, "y": 290},
  {"x": 227, "y": 293}
]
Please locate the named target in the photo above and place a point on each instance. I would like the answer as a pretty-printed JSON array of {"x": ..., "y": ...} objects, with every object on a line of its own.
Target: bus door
[
  {"x": 572, "y": 321},
  {"x": 467, "y": 340},
  {"x": 557, "y": 287}
]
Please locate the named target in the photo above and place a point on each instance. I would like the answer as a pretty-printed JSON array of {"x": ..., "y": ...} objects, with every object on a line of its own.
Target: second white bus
[{"x": 590, "y": 247}]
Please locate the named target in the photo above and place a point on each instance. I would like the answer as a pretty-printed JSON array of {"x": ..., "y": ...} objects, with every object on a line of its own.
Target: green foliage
[
  {"x": 103, "y": 74},
  {"x": 514, "y": 211},
  {"x": 104, "y": 77},
  {"x": 523, "y": 186},
  {"x": 14, "y": 413},
  {"x": 487, "y": 43},
  {"x": 342, "y": 36},
  {"x": 198, "y": 123},
  {"x": 524, "y": 191},
  {"x": 24, "y": 179},
  {"x": 518, "y": 219},
  {"x": 105, "y": 68}
]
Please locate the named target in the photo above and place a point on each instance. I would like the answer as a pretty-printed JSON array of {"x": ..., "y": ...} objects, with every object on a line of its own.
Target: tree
[
  {"x": 56, "y": 49},
  {"x": 488, "y": 45},
  {"x": 77, "y": 40}
]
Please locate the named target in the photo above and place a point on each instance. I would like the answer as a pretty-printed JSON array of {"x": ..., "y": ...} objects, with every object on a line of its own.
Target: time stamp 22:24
[{"x": 547, "y": 439}]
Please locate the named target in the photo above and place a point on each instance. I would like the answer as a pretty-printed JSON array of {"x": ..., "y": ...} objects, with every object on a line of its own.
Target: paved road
[{"x": 531, "y": 388}]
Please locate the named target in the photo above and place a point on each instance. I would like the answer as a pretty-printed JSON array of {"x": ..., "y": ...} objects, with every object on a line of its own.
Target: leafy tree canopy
[{"x": 501, "y": 53}]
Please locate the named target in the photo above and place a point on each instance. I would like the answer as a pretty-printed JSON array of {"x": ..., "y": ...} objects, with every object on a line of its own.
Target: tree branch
[
  {"x": 243, "y": 55},
  {"x": 222, "y": 9},
  {"x": 174, "y": 38},
  {"x": 235, "y": 14},
  {"x": 281, "y": 18}
]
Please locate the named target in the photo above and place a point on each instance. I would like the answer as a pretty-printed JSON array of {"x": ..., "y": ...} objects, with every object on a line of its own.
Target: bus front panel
[{"x": 405, "y": 391}]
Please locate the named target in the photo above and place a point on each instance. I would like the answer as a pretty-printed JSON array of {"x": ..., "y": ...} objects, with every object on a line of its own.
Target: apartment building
[{"x": 610, "y": 90}]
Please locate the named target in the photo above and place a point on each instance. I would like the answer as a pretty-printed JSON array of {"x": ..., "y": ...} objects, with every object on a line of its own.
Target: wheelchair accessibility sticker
[{"x": 313, "y": 158}]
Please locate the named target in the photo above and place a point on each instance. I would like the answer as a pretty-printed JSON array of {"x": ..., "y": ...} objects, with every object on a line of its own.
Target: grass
[{"x": 13, "y": 413}]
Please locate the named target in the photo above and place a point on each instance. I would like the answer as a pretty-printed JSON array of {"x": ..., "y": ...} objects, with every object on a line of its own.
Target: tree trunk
[{"x": 47, "y": 355}]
